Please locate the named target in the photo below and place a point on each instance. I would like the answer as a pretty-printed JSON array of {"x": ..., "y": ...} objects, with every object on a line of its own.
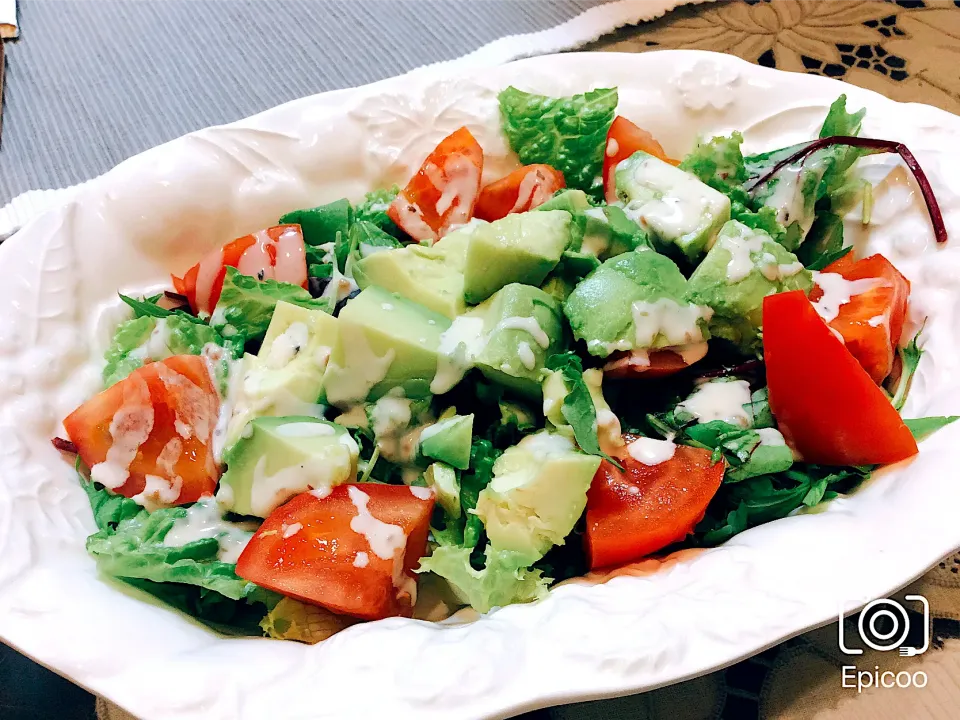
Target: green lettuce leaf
[
  {"x": 134, "y": 343},
  {"x": 922, "y": 428},
  {"x": 503, "y": 580},
  {"x": 373, "y": 209},
  {"x": 909, "y": 361},
  {"x": 578, "y": 408},
  {"x": 246, "y": 305},
  {"x": 719, "y": 164},
  {"x": 824, "y": 243},
  {"x": 321, "y": 224},
  {"x": 129, "y": 546},
  {"x": 568, "y": 133},
  {"x": 482, "y": 457},
  {"x": 365, "y": 238}
]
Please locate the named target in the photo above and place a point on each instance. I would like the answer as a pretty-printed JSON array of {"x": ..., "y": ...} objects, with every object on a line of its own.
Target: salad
[{"x": 456, "y": 394}]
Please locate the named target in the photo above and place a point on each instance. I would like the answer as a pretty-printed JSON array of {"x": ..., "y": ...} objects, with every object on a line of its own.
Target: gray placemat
[{"x": 92, "y": 82}]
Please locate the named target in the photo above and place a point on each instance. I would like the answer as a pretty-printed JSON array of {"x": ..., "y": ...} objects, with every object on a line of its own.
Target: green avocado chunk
[
  {"x": 445, "y": 483},
  {"x": 537, "y": 494},
  {"x": 520, "y": 248},
  {"x": 573, "y": 201},
  {"x": 279, "y": 457},
  {"x": 635, "y": 301},
  {"x": 743, "y": 267},
  {"x": 449, "y": 441},
  {"x": 385, "y": 342},
  {"x": 673, "y": 205},
  {"x": 431, "y": 276},
  {"x": 522, "y": 327},
  {"x": 286, "y": 376}
]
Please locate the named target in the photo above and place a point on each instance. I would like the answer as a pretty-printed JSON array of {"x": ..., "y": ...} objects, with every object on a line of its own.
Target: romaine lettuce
[{"x": 569, "y": 133}]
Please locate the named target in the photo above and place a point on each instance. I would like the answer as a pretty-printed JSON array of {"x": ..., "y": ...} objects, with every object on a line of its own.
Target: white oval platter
[{"x": 654, "y": 624}]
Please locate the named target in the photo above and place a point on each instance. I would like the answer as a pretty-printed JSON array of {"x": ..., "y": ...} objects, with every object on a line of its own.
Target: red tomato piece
[
  {"x": 623, "y": 140},
  {"x": 151, "y": 433},
  {"x": 653, "y": 364},
  {"x": 871, "y": 321},
  {"x": 644, "y": 508},
  {"x": 277, "y": 253},
  {"x": 443, "y": 192},
  {"x": 826, "y": 405},
  {"x": 351, "y": 552},
  {"x": 523, "y": 189}
]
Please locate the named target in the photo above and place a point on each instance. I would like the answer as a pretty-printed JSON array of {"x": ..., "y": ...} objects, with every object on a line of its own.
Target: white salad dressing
[
  {"x": 288, "y": 531},
  {"x": 362, "y": 368},
  {"x": 287, "y": 345},
  {"x": 411, "y": 219},
  {"x": 361, "y": 560},
  {"x": 158, "y": 492},
  {"x": 720, "y": 400},
  {"x": 770, "y": 436},
  {"x": 157, "y": 344},
  {"x": 650, "y": 451},
  {"x": 195, "y": 410},
  {"x": 787, "y": 199},
  {"x": 305, "y": 429},
  {"x": 459, "y": 186},
  {"x": 613, "y": 147},
  {"x": 837, "y": 291},
  {"x": 421, "y": 493},
  {"x": 129, "y": 429},
  {"x": 339, "y": 286},
  {"x": 678, "y": 203},
  {"x": 525, "y": 353},
  {"x": 677, "y": 324},
  {"x": 459, "y": 345},
  {"x": 204, "y": 519},
  {"x": 527, "y": 324},
  {"x": 747, "y": 252},
  {"x": 390, "y": 414},
  {"x": 385, "y": 540}
]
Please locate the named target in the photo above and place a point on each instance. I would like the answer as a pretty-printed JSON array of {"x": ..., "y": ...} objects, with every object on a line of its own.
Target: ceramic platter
[{"x": 654, "y": 623}]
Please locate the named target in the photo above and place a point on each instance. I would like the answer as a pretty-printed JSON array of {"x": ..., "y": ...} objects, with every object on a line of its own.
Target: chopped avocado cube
[
  {"x": 286, "y": 376},
  {"x": 608, "y": 232},
  {"x": 431, "y": 276},
  {"x": 743, "y": 267},
  {"x": 558, "y": 286},
  {"x": 520, "y": 248},
  {"x": 279, "y": 457},
  {"x": 396, "y": 422},
  {"x": 449, "y": 441},
  {"x": 673, "y": 205},
  {"x": 512, "y": 413},
  {"x": 537, "y": 494},
  {"x": 522, "y": 327},
  {"x": 385, "y": 342},
  {"x": 573, "y": 201},
  {"x": 635, "y": 301},
  {"x": 443, "y": 479}
]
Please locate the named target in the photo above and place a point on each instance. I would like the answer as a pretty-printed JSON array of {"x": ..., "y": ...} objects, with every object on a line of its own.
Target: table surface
[{"x": 906, "y": 50}]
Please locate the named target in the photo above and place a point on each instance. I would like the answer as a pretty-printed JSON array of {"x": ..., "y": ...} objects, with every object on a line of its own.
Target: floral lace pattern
[{"x": 905, "y": 49}]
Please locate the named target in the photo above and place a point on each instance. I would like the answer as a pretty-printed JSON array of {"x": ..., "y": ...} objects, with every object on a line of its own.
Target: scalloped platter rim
[{"x": 651, "y": 624}]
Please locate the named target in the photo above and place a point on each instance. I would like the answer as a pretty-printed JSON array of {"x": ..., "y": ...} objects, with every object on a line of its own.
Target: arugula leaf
[
  {"x": 743, "y": 449},
  {"x": 482, "y": 457},
  {"x": 365, "y": 239},
  {"x": 824, "y": 243},
  {"x": 568, "y": 133},
  {"x": 922, "y": 428},
  {"x": 578, "y": 408},
  {"x": 246, "y": 305},
  {"x": 759, "y": 409},
  {"x": 909, "y": 361},
  {"x": 321, "y": 224},
  {"x": 373, "y": 209}
]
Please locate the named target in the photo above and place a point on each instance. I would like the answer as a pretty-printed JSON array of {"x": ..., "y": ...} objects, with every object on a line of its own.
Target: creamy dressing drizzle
[
  {"x": 720, "y": 400},
  {"x": 385, "y": 540},
  {"x": 527, "y": 324},
  {"x": 525, "y": 353},
  {"x": 650, "y": 451},
  {"x": 204, "y": 519},
  {"x": 129, "y": 429},
  {"x": 837, "y": 291},
  {"x": 677, "y": 324},
  {"x": 287, "y": 345}
]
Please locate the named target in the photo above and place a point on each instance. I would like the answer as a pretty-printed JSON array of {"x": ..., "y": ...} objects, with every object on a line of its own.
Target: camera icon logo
[{"x": 892, "y": 637}]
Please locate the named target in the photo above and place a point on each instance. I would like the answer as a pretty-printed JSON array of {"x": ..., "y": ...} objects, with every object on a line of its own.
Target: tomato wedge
[
  {"x": 277, "y": 253},
  {"x": 523, "y": 189},
  {"x": 826, "y": 405},
  {"x": 444, "y": 191},
  {"x": 151, "y": 433},
  {"x": 644, "y": 508},
  {"x": 653, "y": 364},
  {"x": 623, "y": 140},
  {"x": 351, "y": 551},
  {"x": 871, "y": 320}
]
